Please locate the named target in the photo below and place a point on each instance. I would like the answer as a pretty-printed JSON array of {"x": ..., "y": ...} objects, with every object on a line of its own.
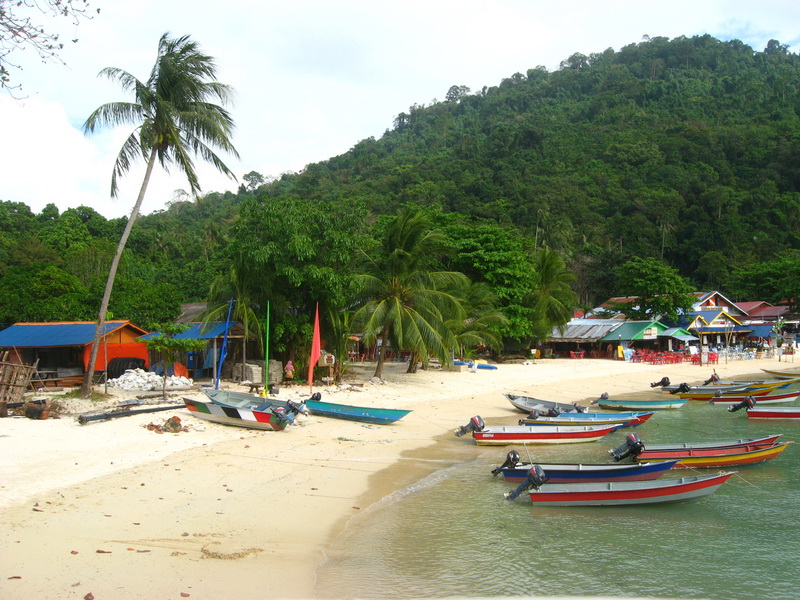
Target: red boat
[
  {"x": 544, "y": 434},
  {"x": 624, "y": 493},
  {"x": 776, "y": 412},
  {"x": 719, "y": 457}
]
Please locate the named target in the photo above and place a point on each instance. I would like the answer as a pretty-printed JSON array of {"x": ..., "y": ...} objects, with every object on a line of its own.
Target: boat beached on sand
[
  {"x": 521, "y": 434},
  {"x": 270, "y": 419}
]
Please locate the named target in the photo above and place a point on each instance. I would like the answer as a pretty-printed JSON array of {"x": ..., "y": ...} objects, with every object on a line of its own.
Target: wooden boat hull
[
  {"x": 527, "y": 404},
  {"x": 774, "y": 398},
  {"x": 756, "y": 392},
  {"x": 559, "y": 434},
  {"x": 642, "y": 405},
  {"x": 790, "y": 374},
  {"x": 777, "y": 412},
  {"x": 238, "y": 417},
  {"x": 377, "y": 416},
  {"x": 762, "y": 441},
  {"x": 683, "y": 489},
  {"x": 721, "y": 457},
  {"x": 587, "y": 473},
  {"x": 621, "y": 420}
]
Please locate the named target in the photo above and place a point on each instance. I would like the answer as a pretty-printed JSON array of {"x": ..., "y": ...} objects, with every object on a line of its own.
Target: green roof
[{"x": 633, "y": 330}]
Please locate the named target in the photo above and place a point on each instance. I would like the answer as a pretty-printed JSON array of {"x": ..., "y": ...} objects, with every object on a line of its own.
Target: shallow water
[{"x": 453, "y": 534}]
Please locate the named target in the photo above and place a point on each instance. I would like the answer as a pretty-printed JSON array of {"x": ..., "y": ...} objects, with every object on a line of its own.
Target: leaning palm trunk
[
  {"x": 86, "y": 387},
  {"x": 382, "y": 353}
]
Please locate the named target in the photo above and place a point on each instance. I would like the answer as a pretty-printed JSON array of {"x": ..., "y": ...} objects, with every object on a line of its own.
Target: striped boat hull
[
  {"x": 239, "y": 417},
  {"x": 503, "y": 436},
  {"x": 777, "y": 412},
  {"x": 682, "y": 489},
  {"x": 588, "y": 473},
  {"x": 717, "y": 458}
]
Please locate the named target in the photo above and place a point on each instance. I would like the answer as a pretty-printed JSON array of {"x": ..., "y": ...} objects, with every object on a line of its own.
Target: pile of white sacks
[{"x": 139, "y": 379}]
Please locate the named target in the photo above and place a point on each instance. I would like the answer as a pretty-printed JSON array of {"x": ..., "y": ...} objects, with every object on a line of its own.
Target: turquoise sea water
[{"x": 453, "y": 534}]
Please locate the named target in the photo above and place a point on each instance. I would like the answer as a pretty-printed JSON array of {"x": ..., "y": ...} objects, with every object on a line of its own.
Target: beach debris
[
  {"x": 16, "y": 577},
  {"x": 185, "y": 594},
  {"x": 89, "y": 596},
  {"x": 36, "y": 412},
  {"x": 103, "y": 551},
  {"x": 139, "y": 379},
  {"x": 171, "y": 425},
  {"x": 73, "y": 551}
]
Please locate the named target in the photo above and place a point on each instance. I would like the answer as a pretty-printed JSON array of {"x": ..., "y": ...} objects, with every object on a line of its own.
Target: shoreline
[{"x": 111, "y": 506}]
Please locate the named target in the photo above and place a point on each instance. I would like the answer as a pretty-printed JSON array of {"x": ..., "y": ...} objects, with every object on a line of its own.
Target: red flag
[{"x": 315, "y": 348}]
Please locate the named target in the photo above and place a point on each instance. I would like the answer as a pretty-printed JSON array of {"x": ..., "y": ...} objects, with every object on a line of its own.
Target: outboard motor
[
  {"x": 603, "y": 396},
  {"x": 683, "y": 388},
  {"x": 554, "y": 412},
  {"x": 633, "y": 446},
  {"x": 297, "y": 408},
  {"x": 536, "y": 477},
  {"x": 534, "y": 414},
  {"x": 663, "y": 383},
  {"x": 284, "y": 414},
  {"x": 713, "y": 379},
  {"x": 580, "y": 408},
  {"x": 475, "y": 424},
  {"x": 512, "y": 460},
  {"x": 746, "y": 404},
  {"x": 316, "y": 396}
]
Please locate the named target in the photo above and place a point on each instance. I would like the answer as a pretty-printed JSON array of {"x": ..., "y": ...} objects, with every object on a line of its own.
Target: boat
[
  {"x": 703, "y": 454},
  {"x": 476, "y": 364},
  {"x": 758, "y": 391},
  {"x": 242, "y": 400},
  {"x": 515, "y": 471},
  {"x": 271, "y": 419},
  {"x": 624, "y": 493},
  {"x": 621, "y": 419},
  {"x": 771, "y": 398},
  {"x": 527, "y": 404},
  {"x": 363, "y": 414},
  {"x": 773, "y": 412},
  {"x": 661, "y": 403},
  {"x": 543, "y": 434},
  {"x": 634, "y": 445},
  {"x": 715, "y": 457},
  {"x": 790, "y": 374}
]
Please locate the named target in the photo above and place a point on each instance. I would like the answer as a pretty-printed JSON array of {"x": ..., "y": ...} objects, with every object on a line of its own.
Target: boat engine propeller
[
  {"x": 746, "y": 404},
  {"x": 283, "y": 413},
  {"x": 536, "y": 477},
  {"x": 536, "y": 413},
  {"x": 663, "y": 383},
  {"x": 713, "y": 379},
  {"x": 603, "y": 396},
  {"x": 475, "y": 424},
  {"x": 633, "y": 446},
  {"x": 580, "y": 408},
  {"x": 512, "y": 460}
]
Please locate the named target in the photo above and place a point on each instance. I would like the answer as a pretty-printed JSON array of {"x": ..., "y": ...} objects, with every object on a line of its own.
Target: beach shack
[
  {"x": 579, "y": 338},
  {"x": 631, "y": 336},
  {"x": 62, "y": 351}
]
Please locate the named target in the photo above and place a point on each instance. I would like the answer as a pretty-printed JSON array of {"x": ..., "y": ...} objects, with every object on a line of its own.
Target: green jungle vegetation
[{"x": 481, "y": 219}]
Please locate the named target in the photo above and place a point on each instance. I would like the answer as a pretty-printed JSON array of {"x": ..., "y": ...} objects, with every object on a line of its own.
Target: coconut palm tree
[
  {"x": 175, "y": 118},
  {"x": 405, "y": 301},
  {"x": 552, "y": 299}
]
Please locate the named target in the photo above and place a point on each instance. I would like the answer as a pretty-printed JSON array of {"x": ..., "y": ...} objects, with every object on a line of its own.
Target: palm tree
[
  {"x": 483, "y": 319},
  {"x": 406, "y": 302},
  {"x": 175, "y": 118},
  {"x": 552, "y": 298}
]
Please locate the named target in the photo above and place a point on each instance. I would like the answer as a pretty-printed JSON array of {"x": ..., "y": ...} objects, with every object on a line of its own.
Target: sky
[{"x": 312, "y": 77}]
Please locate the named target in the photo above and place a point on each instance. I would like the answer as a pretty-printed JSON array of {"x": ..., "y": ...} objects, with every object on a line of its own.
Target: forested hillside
[{"x": 685, "y": 150}]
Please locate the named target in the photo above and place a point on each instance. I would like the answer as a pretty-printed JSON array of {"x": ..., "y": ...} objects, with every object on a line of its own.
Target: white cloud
[{"x": 314, "y": 77}]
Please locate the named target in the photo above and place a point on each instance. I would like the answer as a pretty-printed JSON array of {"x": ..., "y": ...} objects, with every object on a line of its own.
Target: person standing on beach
[{"x": 288, "y": 371}]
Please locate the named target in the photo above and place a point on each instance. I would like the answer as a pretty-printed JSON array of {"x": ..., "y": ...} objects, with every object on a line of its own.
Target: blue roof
[
  {"x": 197, "y": 331},
  {"x": 48, "y": 335}
]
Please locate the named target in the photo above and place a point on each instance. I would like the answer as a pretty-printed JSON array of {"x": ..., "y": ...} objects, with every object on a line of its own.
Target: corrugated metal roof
[
  {"x": 584, "y": 330},
  {"x": 632, "y": 330},
  {"x": 48, "y": 335},
  {"x": 678, "y": 333},
  {"x": 197, "y": 331}
]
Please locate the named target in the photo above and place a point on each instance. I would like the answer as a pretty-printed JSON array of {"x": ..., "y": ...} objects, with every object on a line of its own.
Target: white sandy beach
[{"x": 116, "y": 510}]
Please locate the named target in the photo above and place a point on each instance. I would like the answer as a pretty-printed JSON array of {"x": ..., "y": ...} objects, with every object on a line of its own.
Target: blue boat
[
  {"x": 378, "y": 416},
  {"x": 583, "y": 473}
]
